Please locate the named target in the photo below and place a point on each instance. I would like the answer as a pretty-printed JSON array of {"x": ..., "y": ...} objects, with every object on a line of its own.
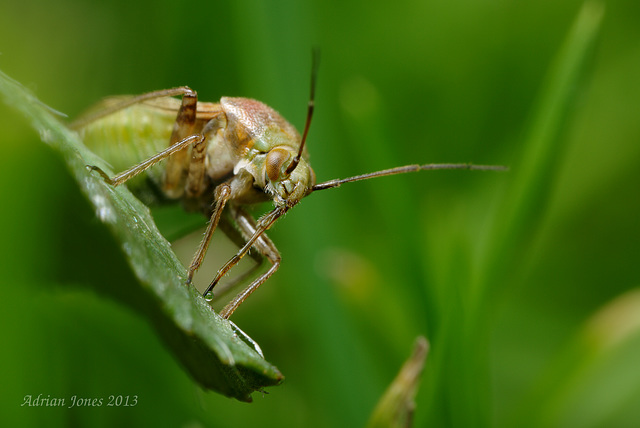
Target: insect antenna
[
  {"x": 314, "y": 76},
  {"x": 404, "y": 169}
]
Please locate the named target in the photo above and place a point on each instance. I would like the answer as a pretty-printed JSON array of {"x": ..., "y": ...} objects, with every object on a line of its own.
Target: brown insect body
[
  {"x": 221, "y": 157},
  {"x": 234, "y": 153}
]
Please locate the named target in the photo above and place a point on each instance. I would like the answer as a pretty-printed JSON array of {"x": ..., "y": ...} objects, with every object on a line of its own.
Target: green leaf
[{"x": 210, "y": 348}]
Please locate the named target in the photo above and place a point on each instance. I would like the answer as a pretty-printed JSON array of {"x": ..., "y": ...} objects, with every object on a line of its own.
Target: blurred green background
[{"x": 531, "y": 322}]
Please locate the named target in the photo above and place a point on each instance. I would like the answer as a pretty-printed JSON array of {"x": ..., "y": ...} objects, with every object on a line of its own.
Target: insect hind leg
[
  {"x": 182, "y": 137},
  {"x": 143, "y": 166},
  {"x": 128, "y": 102}
]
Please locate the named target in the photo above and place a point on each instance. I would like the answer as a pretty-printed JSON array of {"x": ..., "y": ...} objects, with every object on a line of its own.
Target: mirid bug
[{"x": 221, "y": 157}]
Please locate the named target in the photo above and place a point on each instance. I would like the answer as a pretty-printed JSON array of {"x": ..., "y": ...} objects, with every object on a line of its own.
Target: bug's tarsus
[
  {"x": 314, "y": 76},
  {"x": 103, "y": 174}
]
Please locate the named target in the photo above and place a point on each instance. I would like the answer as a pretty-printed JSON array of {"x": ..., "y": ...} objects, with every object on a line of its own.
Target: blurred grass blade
[
  {"x": 465, "y": 401},
  {"x": 595, "y": 376},
  {"x": 609, "y": 378},
  {"x": 395, "y": 408},
  {"x": 525, "y": 204},
  {"x": 203, "y": 342}
]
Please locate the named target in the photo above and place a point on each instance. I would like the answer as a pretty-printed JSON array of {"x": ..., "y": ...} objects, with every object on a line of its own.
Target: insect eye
[{"x": 275, "y": 163}]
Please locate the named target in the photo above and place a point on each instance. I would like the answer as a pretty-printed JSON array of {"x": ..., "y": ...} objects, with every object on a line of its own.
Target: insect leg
[
  {"x": 260, "y": 227},
  {"x": 228, "y": 226},
  {"x": 175, "y": 175},
  {"x": 87, "y": 119},
  {"x": 265, "y": 247},
  {"x": 142, "y": 166},
  {"x": 222, "y": 196},
  {"x": 196, "y": 183},
  {"x": 181, "y": 138}
]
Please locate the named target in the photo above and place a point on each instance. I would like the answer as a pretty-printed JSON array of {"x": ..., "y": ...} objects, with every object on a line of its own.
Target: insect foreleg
[
  {"x": 256, "y": 232},
  {"x": 265, "y": 247},
  {"x": 229, "y": 225}
]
